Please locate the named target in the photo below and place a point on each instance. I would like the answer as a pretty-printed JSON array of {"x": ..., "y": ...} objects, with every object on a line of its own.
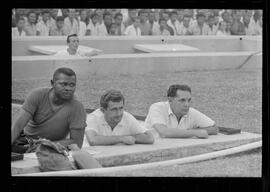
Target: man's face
[
  {"x": 181, "y": 103},
  {"x": 64, "y": 86},
  {"x": 174, "y": 17},
  {"x": 246, "y": 19},
  {"x": 118, "y": 20},
  {"x": 136, "y": 22},
  {"x": 113, "y": 29},
  {"x": 83, "y": 15},
  {"x": 73, "y": 43},
  {"x": 211, "y": 21},
  {"x": 71, "y": 13},
  {"x": 95, "y": 19},
  {"x": 114, "y": 112},
  {"x": 186, "y": 21},
  {"x": 21, "y": 24},
  {"x": 144, "y": 17},
  {"x": 60, "y": 24},
  {"x": 165, "y": 16},
  {"x": 201, "y": 20},
  {"x": 32, "y": 18},
  {"x": 108, "y": 19},
  {"x": 225, "y": 16},
  {"x": 132, "y": 14},
  {"x": 151, "y": 17},
  {"x": 46, "y": 17},
  {"x": 162, "y": 24}
]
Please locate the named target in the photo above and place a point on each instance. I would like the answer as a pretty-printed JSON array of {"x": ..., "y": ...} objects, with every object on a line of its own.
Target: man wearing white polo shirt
[
  {"x": 176, "y": 119},
  {"x": 110, "y": 124}
]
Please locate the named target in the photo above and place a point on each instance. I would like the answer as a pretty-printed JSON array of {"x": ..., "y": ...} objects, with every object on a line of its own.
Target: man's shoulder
[
  {"x": 160, "y": 104},
  {"x": 40, "y": 90}
]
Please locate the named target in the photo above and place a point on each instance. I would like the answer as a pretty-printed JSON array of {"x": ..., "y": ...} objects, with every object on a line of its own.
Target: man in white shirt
[
  {"x": 18, "y": 30},
  {"x": 176, "y": 119},
  {"x": 212, "y": 30},
  {"x": 43, "y": 26},
  {"x": 94, "y": 28},
  {"x": 134, "y": 29},
  {"x": 185, "y": 27},
  {"x": 73, "y": 44},
  {"x": 118, "y": 18},
  {"x": 110, "y": 124},
  {"x": 174, "y": 23},
  {"x": 70, "y": 23}
]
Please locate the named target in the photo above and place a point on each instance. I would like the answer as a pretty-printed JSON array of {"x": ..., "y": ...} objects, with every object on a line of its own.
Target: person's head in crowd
[
  {"x": 65, "y": 12},
  {"x": 186, "y": 20},
  {"x": 257, "y": 15},
  {"x": 32, "y": 17},
  {"x": 173, "y": 16},
  {"x": 216, "y": 12},
  {"x": 59, "y": 22},
  {"x": 200, "y": 19},
  {"x": 83, "y": 16},
  {"x": 143, "y": 16},
  {"x": 77, "y": 15},
  {"x": 64, "y": 91},
  {"x": 246, "y": 19},
  {"x": 225, "y": 16},
  {"x": 94, "y": 18},
  {"x": 211, "y": 20},
  {"x": 114, "y": 12},
  {"x": 20, "y": 23},
  {"x": 187, "y": 12},
  {"x": 73, "y": 43},
  {"x": 53, "y": 13},
  {"x": 107, "y": 18},
  {"x": 162, "y": 23},
  {"x": 99, "y": 12},
  {"x": 136, "y": 22},
  {"x": 222, "y": 26},
  {"x": 237, "y": 14},
  {"x": 175, "y": 95},
  {"x": 112, "y": 105},
  {"x": 249, "y": 12},
  {"x": 45, "y": 15},
  {"x": 132, "y": 14},
  {"x": 118, "y": 19},
  {"x": 152, "y": 17},
  {"x": 165, "y": 15},
  {"x": 113, "y": 29},
  {"x": 71, "y": 14}
]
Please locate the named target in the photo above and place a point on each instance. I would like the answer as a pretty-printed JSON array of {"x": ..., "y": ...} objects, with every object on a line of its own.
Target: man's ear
[{"x": 52, "y": 83}]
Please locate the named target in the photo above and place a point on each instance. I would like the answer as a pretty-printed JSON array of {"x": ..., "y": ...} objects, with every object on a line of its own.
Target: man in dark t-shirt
[{"x": 53, "y": 113}]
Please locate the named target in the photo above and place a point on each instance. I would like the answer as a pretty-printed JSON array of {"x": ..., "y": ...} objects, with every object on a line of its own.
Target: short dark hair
[
  {"x": 117, "y": 15},
  {"x": 173, "y": 13},
  {"x": 63, "y": 70},
  {"x": 174, "y": 88},
  {"x": 93, "y": 15},
  {"x": 45, "y": 11},
  {"x": 72, "y": 35},
  {"x": 59, "y": 18},
  {"x": 141, "y": 12},
  {"x": 200, "y": 15},
  {"x": 106, "y": 13},
  {"x": 162, "y": 19},
  {"x": 30, "y": 12},
  {"x": 111, "y": 95}
]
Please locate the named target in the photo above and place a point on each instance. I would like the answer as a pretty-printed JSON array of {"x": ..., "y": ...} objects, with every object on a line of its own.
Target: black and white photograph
[{"x": 136, "y": 92}]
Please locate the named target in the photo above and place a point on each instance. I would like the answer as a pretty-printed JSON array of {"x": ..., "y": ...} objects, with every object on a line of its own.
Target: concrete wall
[
  {"x": 124, "y": 44},
  {"x": 25, "y": 67}
]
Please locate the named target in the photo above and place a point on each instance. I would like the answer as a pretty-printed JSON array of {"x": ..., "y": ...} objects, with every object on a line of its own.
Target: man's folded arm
[
  {"x": 144, "y": 138},
  {"x": 211, "y": 130},
  {"x": 166, "y": 132}
]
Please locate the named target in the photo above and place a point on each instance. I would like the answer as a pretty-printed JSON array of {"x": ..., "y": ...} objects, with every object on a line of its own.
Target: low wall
[
  {"x": 124, "y": 44},
  {"x": 25, "y": 67}
]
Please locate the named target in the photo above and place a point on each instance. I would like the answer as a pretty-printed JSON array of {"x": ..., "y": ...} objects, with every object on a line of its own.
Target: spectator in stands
[
  {"x": 162, "y": 30},
  {"x": 132, "y": 14},
  {"x": 166, "y": 15},
  {"x": 225, "y": 16},
  {"x": 249, "y": 26},
  {"x": 176, "y": 119},
  {"x": 19, "y": 29},
  {"x": 73, "y": 48},
  {"x": 30, "y": 25},
  {"x": 134, "y": 29},
  {"x": 110, "y": 124},
  {"x": 100, "y": 13},
  {"x": 43, "y": 26},
  {"x": 95, "y": 28},
  {"x": 174, "y": 23},
  {"x": 53, "y": 15},
  {"x": 113, "y": 29},
  {"x": 58, "y": 30},
  {"x": 145, "y": 26},
  {"x": 81, "y": 24},
  {"x": 222, "y": 29},
  {"x": 258, "y": 22},
  {"x": 237, "y": 27},
  {"x": 212, "y": 27},
  {"x": 185, "y": 27},
  {"x": 70, "y": 23},
  {"x": 84, "y": 16},
  {"x": 153, "y": 21},
  {"x": 200, "y": 27},
  {"x": 118, "y": 19},
  {"x": 107, "y": 20}
]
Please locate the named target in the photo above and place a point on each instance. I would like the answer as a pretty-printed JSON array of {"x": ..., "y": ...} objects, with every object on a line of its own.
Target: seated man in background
[
  {"x": 51, "y": 113},
  {"x": 58, "y": 29},
  {"x": 19, "y": 29},
  {"x": 73, "y": 44},
  {"x": 110, "y": 124},
  {"x": 176, "y": 119}
]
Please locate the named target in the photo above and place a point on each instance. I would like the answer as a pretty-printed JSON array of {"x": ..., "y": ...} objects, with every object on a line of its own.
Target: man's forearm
[
  {"x": 211, "y": 130},
  {"x": 144, "y": 138},
  {"x": 66, "y": 142},
  {"x": 106, "y": 140}
]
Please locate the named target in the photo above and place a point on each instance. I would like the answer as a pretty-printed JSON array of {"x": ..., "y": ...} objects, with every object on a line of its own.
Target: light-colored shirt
[
  {"x": 157, "y": 31},
  {"x": 16, "y": 33},
  {"x": 82, "y": 28},
  {"x": 66, "y": 53},
  {"x": 184, "y": 30},
  {"x": 71, "y": 28},
  {"x": 126, "y": 127},
  {"x": 145, "y": 28},
  {"x": 213, "y": 30},
  {"x": 175, "y": 26},
  {"x": 222, "y": 33},
  {"x": 43, "y": 28},
  {"x": 161, "y": 113},
  {"x": 196, "y": 30},
  {"x": 121, "y": 29},
  {"x": 132, "y": 31},
  {"x": 54, "y": 31},
  {"x": 30, "y": 29},
  {"x": 97, "y": 29}
]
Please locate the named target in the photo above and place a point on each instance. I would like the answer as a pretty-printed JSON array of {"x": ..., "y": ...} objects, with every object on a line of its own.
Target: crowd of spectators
[{"x": 135, "y": 22}]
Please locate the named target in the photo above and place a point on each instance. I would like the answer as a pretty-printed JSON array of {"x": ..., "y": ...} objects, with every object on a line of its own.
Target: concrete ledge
[{"x": 25, "y": 67}]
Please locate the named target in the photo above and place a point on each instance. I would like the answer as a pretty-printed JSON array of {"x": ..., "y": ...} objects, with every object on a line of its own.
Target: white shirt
[
  {"x": 82, "y": 28},
  {"x": 98, "y": 29},
  {"x": 161, "y": 113},
  {"x": 66, "y": 53},
  {"x": 175, "y": 26},
  {"x": 71, "y": 28},
  {"x": 126, "y": 127},
  {"x": 43, "y": 28},
  {"x": 132, "y": 31},
  {"x": 15, "y": 32}
]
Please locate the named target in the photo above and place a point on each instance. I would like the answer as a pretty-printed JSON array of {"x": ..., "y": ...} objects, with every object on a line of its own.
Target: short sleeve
[
  {"x": 31, "y": 102},
  {"x": 155, "y": 116},
  {"x": 78, "y": 117},
  {"x": 201, "y": 120},
  {"x": 134, "y": 126},
  {"x": 91, "y": 123}
]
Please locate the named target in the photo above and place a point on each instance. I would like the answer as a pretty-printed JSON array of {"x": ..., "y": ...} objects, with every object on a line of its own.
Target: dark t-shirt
[{"x": 52, "y": 124}]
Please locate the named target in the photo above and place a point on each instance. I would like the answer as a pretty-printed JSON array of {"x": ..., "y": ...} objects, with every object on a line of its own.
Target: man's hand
[
  {"x": 129, "y": 140},
  {"x": 202, "y": 134}
]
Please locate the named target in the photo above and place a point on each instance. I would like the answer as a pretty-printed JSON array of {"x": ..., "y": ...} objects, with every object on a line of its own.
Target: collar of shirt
[
  {"x": 171, "y": 113},
  {"x": 104, "y": 122}
]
